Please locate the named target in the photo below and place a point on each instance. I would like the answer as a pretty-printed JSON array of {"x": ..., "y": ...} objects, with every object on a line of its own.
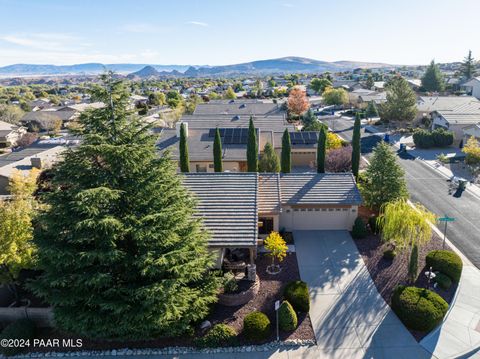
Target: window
[
  {"x": 265, "y": 225},
  {"x": 210, "y": 165},
  {"x": 354, "y": 210},
  {"x": 288, "y": 211},
  {"x": 324, "y": 209},
  {"x": 331, "y": 209},
  {"x": 310, "y": 209},
  {"x": 317, "y": 209},
  {"x": 338, "y": 209},
  {"x": 296, "y": 209},
  {"x": 345, "y": 209},
  {"x": 303, "y": 209}
]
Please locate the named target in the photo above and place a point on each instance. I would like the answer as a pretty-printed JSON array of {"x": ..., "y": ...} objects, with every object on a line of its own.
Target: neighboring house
[
  {"x": 377, "y": 97},
  {"x": 66, "y": 114},
  {"x": 240, "y": 209},
  {"x": 10, "y": 134},
  {"x": 461, "y": 120},
  {"x": 472, "y": 87},
  {"x": 426, "y": 105},
  {"x": 238, "y": 107},
  {"x": 414, "y": 84},
  {"x": 40, "y": 157}
]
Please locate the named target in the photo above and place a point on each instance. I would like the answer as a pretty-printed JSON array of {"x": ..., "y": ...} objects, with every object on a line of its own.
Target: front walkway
[{"x": 349, "y": 317}]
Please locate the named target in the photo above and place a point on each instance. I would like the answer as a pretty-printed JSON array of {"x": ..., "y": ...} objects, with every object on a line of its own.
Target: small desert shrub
[
  {"x": 359, "y": 229},
  {"x": 447, "y": 262},
  {"x": 287, "y": 318},
  {"x": 389, "y": 254},
  {"x": 219, "y": 335},
  {"x": 296, "y": 293},
  {"x": 256, "y": 326}
]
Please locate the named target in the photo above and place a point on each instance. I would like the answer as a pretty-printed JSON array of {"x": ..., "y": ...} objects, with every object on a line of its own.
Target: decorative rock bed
[
  {"x": 296, "y": 343},
  {"x": 235, "y": 299}
]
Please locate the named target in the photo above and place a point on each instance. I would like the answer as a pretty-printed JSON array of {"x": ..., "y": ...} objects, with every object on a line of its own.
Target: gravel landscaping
[
  {"x": 271, "y": 289},
  {"x": 387, "y": 274}
]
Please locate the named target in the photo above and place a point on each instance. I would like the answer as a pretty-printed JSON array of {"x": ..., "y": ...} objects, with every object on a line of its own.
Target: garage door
[{"x": 320, "y": 218}]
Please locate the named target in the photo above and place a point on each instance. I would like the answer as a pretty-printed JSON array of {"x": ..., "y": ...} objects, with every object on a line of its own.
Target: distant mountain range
[{"x": 261, "y": 67}]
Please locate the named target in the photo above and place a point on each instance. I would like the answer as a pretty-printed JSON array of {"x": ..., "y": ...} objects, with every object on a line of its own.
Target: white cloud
[{"x": 198, "y": 23}]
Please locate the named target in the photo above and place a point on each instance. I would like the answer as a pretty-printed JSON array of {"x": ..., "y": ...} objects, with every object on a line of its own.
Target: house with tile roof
[
  {"x": 241, "y": 209},
  {"x": 10, "y": 134}
]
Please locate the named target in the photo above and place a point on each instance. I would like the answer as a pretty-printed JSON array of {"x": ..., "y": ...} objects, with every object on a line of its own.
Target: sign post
[
  {"x": 277, "y": 306},
  {"x": 445, "y": 219}
]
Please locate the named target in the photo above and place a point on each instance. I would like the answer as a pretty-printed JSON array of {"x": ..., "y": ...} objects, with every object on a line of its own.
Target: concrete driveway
[{"x": 349, "y": 317}]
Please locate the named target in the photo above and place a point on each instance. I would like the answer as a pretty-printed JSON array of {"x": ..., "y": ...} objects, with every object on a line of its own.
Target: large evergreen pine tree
[
  {"x": 384, "y": 178},
  {"x": 183, "y": 148},
  {"x": 401, "y": 104},
  {"x": 432, "y": 80},
  {"x": 286, "y": 160},
  {"x": 121, "y": 253},
  {"x": 321, "y": 150},
  {"x": 252, "y": 148},
  {"x": 356, "y": 146},
  {"x": 468, "y": 66},
  {"x": 217, "y": 152}
]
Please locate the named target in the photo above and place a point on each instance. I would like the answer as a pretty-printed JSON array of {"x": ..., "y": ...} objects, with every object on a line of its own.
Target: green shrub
[
  {"x": 436, "y": 138},
  {"x": 219, "y": 335},
  {"x": 256, "y": 326},
  {"x": 230, "y": 284},
  {"x": 447, "y": 262},
  {"x": 372, "y": 223},
  {"x": 296, "y": 293},
  {"x": 20, "y": 329},
  {"x": 389, "y": 254},
  {"x": 287, "y": 318},
  {"x": 443, "y": 281},
  {"x": 418, "y": 308},
  {"x": 359, "y": 229}
]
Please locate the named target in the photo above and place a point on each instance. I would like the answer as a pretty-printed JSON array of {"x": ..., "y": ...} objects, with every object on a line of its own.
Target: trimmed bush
[
  {"x": 219, "y": 335},
  {"x": 359, "y": 229},
  {"x": 447, "y": 262},
  {"x": 443, "y": 281},
  {"x": 418, "y": 308},
  {"x": 435, "y": 138},
  {"x": 256, "y": 326},
  {"x": 389, "y": 254},
  {"x": 372, "y": 223},
  {"x": 287, "y": 318},
  {"x": 296, "y": 293},
  {"x": 20, "y": 329}
]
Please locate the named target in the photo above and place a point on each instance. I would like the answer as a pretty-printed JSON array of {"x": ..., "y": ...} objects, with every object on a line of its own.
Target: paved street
[{"x": 430, "y": 188}]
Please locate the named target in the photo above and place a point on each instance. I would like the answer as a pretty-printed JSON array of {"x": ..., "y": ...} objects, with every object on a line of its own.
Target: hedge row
[{"x": 435, "y": 138}]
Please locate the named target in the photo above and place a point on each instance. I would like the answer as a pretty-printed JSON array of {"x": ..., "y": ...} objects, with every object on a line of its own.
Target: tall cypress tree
[
  {"x": 286, "y": 153},
  {"x": 121, "y": 253},
  {"x": 321, "y": 150},
  {"x": 183, "y": 146},
  {"x": 217, "y": 152},
  {"x": 252, "y": 148},
  {"x": 356, "y": 146}
]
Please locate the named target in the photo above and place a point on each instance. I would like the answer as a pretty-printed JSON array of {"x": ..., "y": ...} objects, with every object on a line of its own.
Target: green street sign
[{"x": 446, "y": 219}]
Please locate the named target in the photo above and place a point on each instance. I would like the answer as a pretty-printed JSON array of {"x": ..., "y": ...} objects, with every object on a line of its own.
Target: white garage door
[{"x": 320, "y": 218}]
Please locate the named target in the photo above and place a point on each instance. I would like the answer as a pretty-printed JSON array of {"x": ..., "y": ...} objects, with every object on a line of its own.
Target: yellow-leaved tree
[
  {"x": 277, "y": 249},
  {"x": 16, "y": 231}
]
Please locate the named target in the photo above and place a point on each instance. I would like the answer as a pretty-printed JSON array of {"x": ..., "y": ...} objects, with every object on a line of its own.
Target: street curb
[{"x": 466, "y": 262}]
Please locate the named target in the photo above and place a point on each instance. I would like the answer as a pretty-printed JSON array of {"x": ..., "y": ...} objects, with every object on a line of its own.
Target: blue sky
[{"x": 219, "y": 32}]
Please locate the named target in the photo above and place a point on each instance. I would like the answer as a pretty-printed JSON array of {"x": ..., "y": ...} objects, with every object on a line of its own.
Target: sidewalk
[{"x": 459, "y": 334}]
